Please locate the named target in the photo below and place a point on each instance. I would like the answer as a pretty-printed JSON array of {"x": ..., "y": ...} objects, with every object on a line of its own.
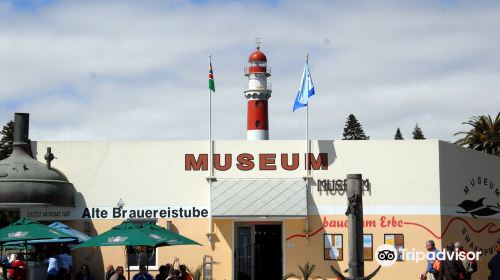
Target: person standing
[
  {"x": 494, "y": 266},
  {"x": 110, "y": 270},
  {"x": 118, "y": 275},
  {"x": 53, "y": 267},
  {"x": 18, "y": 268},
  {"x": 451, "y": 268},
  {"x": 84, "y": 273},
  {"x": 185, "y": 275},
  {"x": 143, "y": 274},
  {"x": 430, "y": 246},
  {"x": 66, "y": 263},
  {"x": 4, "y": 265},
  {"x": 163, "y": 273},
  {"x": 469, "y": 265}
]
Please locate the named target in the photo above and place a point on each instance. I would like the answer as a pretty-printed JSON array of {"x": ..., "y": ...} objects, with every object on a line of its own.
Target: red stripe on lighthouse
[{"x": 257, "y": 118}]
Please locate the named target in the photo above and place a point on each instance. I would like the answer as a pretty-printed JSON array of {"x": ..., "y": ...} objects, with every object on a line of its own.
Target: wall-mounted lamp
[
  {"x": 170, "y": 225},
  {"x": 120, "y": 203},
  {"x": 86, "y": 227}
]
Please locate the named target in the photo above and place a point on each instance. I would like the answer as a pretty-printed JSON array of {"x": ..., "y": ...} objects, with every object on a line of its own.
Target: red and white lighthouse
[{"x": 257, "y": 93}]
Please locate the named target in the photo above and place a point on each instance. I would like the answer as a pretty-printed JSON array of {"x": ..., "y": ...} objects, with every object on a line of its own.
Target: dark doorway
[
  {"x": 258, "y": 252},
  {"x": 268, "y": 258},
  {"x": 244, "y": 253}
]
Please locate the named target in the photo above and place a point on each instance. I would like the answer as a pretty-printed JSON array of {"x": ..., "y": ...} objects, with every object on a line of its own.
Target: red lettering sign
[{"x": 245, "y": 162}]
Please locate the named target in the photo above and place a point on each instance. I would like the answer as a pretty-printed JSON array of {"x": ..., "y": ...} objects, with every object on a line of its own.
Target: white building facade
[{"x": 257, "y": 219}]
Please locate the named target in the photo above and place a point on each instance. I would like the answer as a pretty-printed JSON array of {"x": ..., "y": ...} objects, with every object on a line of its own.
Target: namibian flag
[{"x": 211, "y": 83}]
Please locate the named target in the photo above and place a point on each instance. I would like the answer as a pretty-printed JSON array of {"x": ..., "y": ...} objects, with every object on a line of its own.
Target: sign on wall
[
  {"x": 82, "y": 213},
  {"x": 248, "y": 162},
  {"x": 481, "y": 198},
  {"x": 339, "y": 186}
]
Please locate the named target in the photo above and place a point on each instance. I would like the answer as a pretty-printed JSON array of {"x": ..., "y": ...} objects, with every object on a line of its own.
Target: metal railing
[
  {"x": 268, "y": 70},
  {"x": 207, "y": 268},
  {"x": 268, "y": 86}
]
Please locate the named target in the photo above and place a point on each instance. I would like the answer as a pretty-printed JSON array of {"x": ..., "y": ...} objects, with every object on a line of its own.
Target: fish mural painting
[{"x": 478, "y": 208}]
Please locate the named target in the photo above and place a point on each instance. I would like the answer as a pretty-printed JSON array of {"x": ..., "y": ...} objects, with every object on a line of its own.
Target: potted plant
[{"x": 306, "y": 272}]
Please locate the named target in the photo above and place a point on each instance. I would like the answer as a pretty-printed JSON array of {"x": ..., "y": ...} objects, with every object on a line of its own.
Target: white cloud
[{"x": 130, "y": 70}]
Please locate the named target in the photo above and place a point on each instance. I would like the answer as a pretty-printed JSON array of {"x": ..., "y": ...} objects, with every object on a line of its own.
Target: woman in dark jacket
[
  {"x": 84, "y": 273},
  {"x": 451, "y": 267}
]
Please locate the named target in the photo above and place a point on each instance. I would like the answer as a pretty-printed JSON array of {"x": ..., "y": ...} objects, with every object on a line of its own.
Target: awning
[{"x": 258, "y": 197}]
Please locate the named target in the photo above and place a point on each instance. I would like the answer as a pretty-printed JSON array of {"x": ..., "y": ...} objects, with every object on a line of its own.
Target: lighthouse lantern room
[{"x": 257, "y": 93}]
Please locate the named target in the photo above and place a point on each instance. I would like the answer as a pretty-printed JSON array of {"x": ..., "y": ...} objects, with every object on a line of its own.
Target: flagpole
[
  {"x": 308, "y": 171},
  {"x": 210, "y": 160},
  {"x": 210, "y": 124},
  {"x": 307, "y": 129}
]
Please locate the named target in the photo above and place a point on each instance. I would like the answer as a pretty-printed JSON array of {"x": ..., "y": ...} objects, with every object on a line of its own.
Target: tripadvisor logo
[{"x": 387, "y": 255}]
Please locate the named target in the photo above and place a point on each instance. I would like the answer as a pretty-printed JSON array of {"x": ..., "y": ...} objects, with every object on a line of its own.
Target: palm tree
[
  {"x": 305, "y": 273},
  {"x": 484, "y": 135},
  {"x": 196, "y": 275}
]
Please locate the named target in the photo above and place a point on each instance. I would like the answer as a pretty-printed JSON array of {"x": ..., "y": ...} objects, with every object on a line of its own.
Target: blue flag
[{"x": 305, "y": 91}]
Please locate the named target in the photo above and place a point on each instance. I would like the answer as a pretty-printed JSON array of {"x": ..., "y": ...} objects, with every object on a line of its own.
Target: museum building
[{"x": 259, "y": 207}]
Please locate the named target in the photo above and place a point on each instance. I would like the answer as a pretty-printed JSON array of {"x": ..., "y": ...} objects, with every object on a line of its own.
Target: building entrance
[{"x": 258, "y": 251}]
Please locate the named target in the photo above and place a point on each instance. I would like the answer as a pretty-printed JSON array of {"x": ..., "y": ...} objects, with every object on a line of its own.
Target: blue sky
[
  {"x": 89, "y": 70},
  {"x": 28, "y": 5}
]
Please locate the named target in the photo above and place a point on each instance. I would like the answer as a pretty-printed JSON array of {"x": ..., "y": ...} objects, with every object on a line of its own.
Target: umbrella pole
[
  {"x": 128, "y": 264},
  {"x": 147, "y": 261},
  {"x": 4, "y": 274}
]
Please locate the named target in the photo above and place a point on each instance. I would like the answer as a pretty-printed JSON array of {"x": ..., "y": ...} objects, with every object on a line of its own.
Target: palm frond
[
  {"x": 290, "y": 275},
  {"x": 484, "y": 135}
]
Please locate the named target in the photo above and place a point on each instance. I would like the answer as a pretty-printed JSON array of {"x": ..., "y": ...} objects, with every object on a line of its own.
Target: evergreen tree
[
  {"x": 417, "y": 133},
  {"x": 6, "y": 140},
  {"x": 353, "y": 130},
  {"x": 398, "y": 135}
]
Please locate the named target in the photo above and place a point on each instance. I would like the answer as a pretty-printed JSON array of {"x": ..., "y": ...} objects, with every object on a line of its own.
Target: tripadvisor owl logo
[
  {"x": 482, "y": 198},
  {"x": 386, "y": 255}
]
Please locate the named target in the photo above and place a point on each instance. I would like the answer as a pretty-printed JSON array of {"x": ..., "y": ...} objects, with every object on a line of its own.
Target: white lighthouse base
[{"x": 257, "y": 134}]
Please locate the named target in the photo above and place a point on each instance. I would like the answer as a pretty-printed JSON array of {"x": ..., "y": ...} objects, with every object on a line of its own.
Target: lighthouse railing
[
  {"x": 267, "y": 71},
  {"x": 258, "y": 86}
]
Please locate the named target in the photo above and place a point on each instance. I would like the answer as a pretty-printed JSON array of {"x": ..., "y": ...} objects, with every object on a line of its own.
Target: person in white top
[{"x": 53, "y": 267}]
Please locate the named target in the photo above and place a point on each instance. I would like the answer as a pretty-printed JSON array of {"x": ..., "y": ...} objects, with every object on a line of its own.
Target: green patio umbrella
[
  {"x": 126, "y": 234},
  {"x": 25, "y": 229},
  {"x": 172, "y": 238}
]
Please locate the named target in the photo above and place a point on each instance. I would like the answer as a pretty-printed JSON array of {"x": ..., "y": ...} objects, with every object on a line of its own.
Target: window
[
  {"x": 257, "y": 124},
  {"x": 142, "y": 255},
  {"x": 333, "y": 247},
  {"x": 257, "y": 104},
  {"x": 368, "y": 247},
  {"x": 396, "y": 240},
  {"x": 258, "y": 63},
  {"x": 8, "y": 216}
]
